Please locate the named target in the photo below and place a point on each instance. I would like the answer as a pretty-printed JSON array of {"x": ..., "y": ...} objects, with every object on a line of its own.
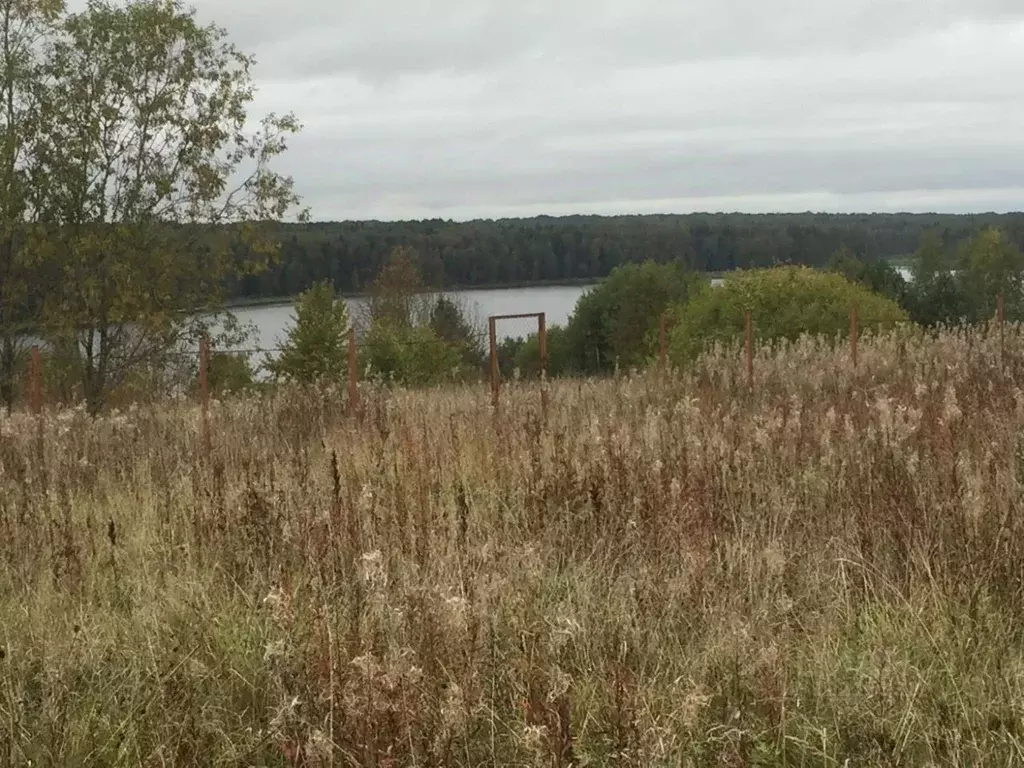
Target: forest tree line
[
  {"x": 574, "y": 248},
  {"x": 412, "y": 337}
]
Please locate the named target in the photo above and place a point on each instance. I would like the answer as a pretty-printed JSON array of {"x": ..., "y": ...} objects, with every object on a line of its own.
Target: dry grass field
[{"x": 825, "y": 571}]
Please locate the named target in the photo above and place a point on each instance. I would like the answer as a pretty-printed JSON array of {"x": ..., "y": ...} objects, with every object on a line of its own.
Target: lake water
[{"x": 557, "y": 302}]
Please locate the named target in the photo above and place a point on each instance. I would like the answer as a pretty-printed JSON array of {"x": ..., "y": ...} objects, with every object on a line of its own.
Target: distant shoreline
[
  {"x": 277, "y": 301},
  {"x": 900, "y": 262}
]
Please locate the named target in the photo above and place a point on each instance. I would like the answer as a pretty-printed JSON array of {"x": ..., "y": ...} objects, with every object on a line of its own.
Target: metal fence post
[
  {"x": 493, "y": 333},
  {"x": 204, "y": 366},
  {"x": 853, "y": 333},
  {"x": 750, "y": 349},
  {"x": 35, "y": 383},
  {"x": 353, "y": 372},
  {"x": 542, "y": 339},
  {"x": 36, "y": 396},
  {"x": 1000, "y": 318},
  {"x": 663, "y": 342},
  {"x": 204, "y": 390}
]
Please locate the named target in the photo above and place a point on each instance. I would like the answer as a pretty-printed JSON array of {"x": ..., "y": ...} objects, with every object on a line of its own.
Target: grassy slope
[{"x": 825, "y": 570}]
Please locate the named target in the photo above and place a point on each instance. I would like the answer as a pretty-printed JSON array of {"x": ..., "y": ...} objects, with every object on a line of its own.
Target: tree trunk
[
  {"x": 93, "y": 394},
  {"x": 8, "y": 363},
  {"x": 93, "y": 374}
]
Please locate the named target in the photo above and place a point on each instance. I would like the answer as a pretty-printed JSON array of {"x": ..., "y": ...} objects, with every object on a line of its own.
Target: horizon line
[{"x": 692, "y": 214}]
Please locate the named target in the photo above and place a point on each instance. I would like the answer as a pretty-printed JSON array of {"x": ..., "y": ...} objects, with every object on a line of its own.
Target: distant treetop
[{"x": 583, "y": 248}]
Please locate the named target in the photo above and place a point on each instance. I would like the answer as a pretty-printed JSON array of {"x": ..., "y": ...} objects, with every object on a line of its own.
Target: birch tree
[
  {"x": 25, "y": 26},
  {"x": 159, "y": 186}
]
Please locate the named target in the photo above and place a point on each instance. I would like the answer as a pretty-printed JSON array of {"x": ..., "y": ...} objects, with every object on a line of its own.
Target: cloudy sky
[{"x": 490, "y": 108}]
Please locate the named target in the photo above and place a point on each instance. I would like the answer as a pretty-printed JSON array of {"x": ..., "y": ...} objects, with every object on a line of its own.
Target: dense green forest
[{"x": 549, "y": 249}]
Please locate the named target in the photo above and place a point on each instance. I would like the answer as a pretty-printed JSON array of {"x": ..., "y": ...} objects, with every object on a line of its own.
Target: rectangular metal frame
[{"x": 542, "y": 337}]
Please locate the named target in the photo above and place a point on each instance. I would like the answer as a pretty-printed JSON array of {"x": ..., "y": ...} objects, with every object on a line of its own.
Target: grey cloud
[
  {"x": 637, "y": 176},
  {"x": 383, "y": 40},
  {"x": 479, "y": 106}
]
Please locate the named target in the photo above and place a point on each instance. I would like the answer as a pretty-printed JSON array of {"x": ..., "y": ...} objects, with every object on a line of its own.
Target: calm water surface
[
  {"x": 272, "y": 322},
  {"x": 557, "y": 302}
]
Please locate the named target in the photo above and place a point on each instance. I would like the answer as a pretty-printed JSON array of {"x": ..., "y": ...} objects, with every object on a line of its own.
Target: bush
[
  {"x": 613, "y": 322},
  {"x": 62, "y": 371},
  {"x": 527, "y": 355},
  {"x": 523, "y": 355},
  {"x": 412, "y": 356},
  {"x": 317, "y": 344},
  {"x": 878, "y": 275},
  {"x": 786, "y": 302},
  {"x": 231, "y": 373},
  {"x": 986, "y": 265},
  {"x": 398, "y": 294},
  {"x": 449, "y": 322},
  {"x": 939, "y": 301},
  {"x": 936, "y": 296},
  {"x": 508, "y": 355},
  {"x": 989, "y": 265}
]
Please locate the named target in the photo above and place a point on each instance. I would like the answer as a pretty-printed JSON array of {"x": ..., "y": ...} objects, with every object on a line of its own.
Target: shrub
[
  {"x": 877, "y": 275},
  {"x": 786, "y": 302},
  {"x": 508, "y": 355},
  {"x": 939, "y": 301},
  {"x": 414, "y": 337},
  {"x": 398, "y": 294},
  {"x": 62, "y": 371},
  {"x": 523, "y": 355},
  {"x": 410, "y": 355},
  {"x": 612, "y": 323},
  {"x": 989, "y": 265},
  {"x": 231, "y": 373},
  {"x": 317, "y": 344},
  {"x": 936, "y": 296},
  {"x": 449, "y": 322},
  {"x": 527, "y": 355}
]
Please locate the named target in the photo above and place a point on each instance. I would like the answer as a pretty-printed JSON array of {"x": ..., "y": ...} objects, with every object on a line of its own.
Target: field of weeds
[{"x": 825, "y": 570}]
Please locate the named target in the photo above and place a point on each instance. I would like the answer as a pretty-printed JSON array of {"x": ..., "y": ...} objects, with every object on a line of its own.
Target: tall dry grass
[{"x": 826, "y": 570}]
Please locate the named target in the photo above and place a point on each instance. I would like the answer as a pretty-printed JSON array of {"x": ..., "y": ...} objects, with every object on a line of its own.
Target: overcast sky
[{"x": 468, "y": 108}]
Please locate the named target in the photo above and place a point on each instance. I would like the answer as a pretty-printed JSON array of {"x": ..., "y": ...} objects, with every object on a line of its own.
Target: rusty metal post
[
  {"x": 204, "y": 368},
  {"x": 35, "y": 384},
  {"x": 353, "y": 372},
  {"x": 542, "y": 338},
  {"x": 493, "y": 333},
  {"x": 663, "y": 342},
  {"x": 1000, "y": 320},
  {"x": 853, "y": 334},
  {"x": 36, "y": 397},
  {"x": 204, "y": 389},
  {"x": 750, "y": 349}
]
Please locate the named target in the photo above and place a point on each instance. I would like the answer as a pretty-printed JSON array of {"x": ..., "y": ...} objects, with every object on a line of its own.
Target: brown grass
[{"x": 825, "y": 571}]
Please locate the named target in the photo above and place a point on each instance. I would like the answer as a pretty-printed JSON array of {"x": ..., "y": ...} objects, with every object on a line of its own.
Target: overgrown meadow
[{"x": 823, "y": 570}]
